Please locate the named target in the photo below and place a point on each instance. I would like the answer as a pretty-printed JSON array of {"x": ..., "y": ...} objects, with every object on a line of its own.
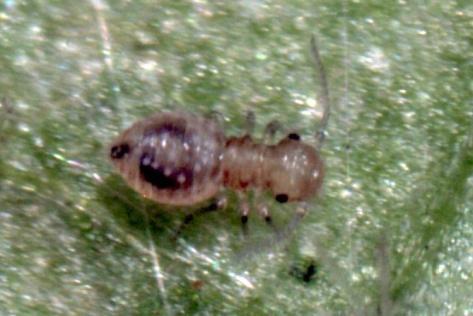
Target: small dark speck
[
  {"x": 309, "y": 273},
  {"x": 294, "y": 136},
  {"x": 189, "y": 218},
  {"x": 119, "y": 151},
  {"x": 305, "y": 274},
  {"x": 156, "y": 175},
  {"x": 282, "y": 198}
]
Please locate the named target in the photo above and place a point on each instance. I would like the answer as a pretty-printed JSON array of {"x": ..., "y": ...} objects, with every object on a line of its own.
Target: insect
[{"x": 181, "y": 159}]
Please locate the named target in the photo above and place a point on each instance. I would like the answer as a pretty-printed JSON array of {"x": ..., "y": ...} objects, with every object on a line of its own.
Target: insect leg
[
  {"x": 244, "y": 211},
  {"x": 262, "y": 208},
  {"x": 280, "y": 236},
  {"x": 250, "y": 122},
  {"x": 270, "y": 130},
  {"x": 286, "y": 231},
  {"x": 263, "y": 211},
  {"x": 217, "y": 204}
]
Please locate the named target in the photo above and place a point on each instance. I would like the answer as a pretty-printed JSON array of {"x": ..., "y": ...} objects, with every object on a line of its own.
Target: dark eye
[
  {"x": 282, "y": 198},
  {"x": 119, "y": 151},
  {"x": 294, "y": 136}
]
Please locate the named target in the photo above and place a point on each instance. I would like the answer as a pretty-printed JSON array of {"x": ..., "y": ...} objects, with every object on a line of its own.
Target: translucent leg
[
  {"x": 286, "y": 232},
  {"x": 250, "y": 122},
  {"x": 280, "y": 237},
  {"x": 270, "y": 131},
  {"x": 264, "y": 212},
  {"x": 244, "y": 211},
  {"x": 262, "y": 208},
  {"x": 217, "y": 204}
]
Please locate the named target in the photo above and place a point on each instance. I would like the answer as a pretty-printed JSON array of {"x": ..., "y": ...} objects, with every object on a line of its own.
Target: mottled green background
[{"x": 392, "y": 232}]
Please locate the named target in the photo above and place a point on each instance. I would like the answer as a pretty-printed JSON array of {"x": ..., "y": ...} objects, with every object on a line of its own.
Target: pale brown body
[{"x": 178, "y": 158}]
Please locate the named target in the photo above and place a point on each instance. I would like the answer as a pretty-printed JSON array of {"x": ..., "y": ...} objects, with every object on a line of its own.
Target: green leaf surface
[{"x": 391, "y": 233}]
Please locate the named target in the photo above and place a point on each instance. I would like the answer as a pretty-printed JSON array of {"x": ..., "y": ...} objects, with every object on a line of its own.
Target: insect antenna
[{"x": 324, "y": 97}]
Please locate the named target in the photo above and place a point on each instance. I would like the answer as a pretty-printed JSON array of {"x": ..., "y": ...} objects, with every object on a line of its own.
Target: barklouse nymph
[{"x": 179, "y": 158}]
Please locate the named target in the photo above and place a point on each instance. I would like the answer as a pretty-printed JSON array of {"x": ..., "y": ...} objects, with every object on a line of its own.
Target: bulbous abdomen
[{"x": 171, "y": 157}]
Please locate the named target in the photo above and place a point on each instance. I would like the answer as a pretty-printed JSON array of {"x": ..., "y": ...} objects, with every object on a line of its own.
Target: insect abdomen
[{"x": 172, "y": 157}]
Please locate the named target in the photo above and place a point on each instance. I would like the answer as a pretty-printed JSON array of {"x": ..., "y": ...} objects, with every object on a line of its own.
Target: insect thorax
[{"x": 291, "y": 170}]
